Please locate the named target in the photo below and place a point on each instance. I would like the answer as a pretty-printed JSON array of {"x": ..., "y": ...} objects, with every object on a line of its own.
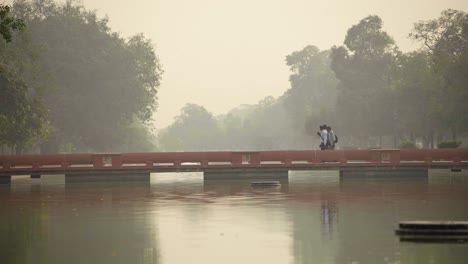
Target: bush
[
  {"x": 449, "y": 144},
  {"x": 407, "y": 145}
]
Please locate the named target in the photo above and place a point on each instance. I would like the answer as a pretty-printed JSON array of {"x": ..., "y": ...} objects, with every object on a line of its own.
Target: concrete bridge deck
[{"x": 237, "y": 164}]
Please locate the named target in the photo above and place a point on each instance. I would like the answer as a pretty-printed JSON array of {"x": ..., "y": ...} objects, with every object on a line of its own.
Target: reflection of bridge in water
[{"x": 232, "y": 165}]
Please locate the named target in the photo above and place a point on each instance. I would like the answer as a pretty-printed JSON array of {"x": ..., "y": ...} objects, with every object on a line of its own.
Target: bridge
[{"x": 232, "y": 164}]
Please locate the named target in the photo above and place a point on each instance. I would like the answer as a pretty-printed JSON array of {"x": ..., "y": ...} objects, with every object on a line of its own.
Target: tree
[
  {"x": 195, "y": 129},
  {"x": 267, "y": 126},
  {"x": 446, "y": 39},
  {"x": 101, "y": 80},
  {"x": 135, "y": 137},
  {"x": 416, "y": 82},
  {"x": 312, "y": 92},
  {"x": 364, "y": 67},
  {"x": 445, "y": 36},
  {"x": 23, "y": 116},
  {"x": 9, "y": 23},
  {"x": 231, "y": 126}
]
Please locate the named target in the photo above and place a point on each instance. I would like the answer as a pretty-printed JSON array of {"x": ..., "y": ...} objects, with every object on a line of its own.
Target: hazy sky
[{"x": 224, "y": 53}]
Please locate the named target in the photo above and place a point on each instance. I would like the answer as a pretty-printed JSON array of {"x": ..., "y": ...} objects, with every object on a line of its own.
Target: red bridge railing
[{"x": 233, "y": 159}]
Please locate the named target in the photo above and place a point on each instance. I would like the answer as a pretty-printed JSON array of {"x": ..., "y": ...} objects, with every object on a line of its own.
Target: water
[{"x": 178, "y": 218}]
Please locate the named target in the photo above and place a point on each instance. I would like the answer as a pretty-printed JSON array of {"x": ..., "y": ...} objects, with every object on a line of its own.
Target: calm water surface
[{"x": 179, "y": 218}]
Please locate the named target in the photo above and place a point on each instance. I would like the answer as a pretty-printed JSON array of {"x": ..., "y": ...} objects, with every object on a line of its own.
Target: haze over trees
[
  {"x": 70, "y": 84},
  {"x": 370, "y": 92}
]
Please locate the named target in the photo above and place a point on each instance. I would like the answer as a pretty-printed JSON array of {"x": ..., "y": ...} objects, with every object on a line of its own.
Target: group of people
[{"x": 328, "y": 138}]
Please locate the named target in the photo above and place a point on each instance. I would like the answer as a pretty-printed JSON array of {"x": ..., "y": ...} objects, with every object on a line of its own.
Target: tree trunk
[
  {"x": 431, "y": 138},
  {"x": 454, "y": 134},
  {"x": 49, "y": 147},
  {"x": 425, "y": 141},
  {"x": 439, "y": 138},
  {"x": 19, "y": 149}
]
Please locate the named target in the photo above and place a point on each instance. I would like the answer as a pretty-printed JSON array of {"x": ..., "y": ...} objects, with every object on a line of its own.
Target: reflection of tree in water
[
  {"x": 105, "y": 224},
  {"x": 21, "y": 226},
  {"x": 81, "y": 224}
]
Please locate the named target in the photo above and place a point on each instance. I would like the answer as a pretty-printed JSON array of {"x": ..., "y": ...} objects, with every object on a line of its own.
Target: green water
[{"x": 178, "y": 218}]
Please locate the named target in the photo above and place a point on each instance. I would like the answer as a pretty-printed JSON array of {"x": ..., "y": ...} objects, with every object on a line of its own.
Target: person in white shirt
[{"x": 323, "y": 137}]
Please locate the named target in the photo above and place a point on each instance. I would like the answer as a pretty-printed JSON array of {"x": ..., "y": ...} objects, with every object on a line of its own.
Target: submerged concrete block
[
  {"x": 5, "y": 179},
  {"x": 107, "y": 177},
  {"x": 390, "y": 173},
  {"x": 433, "y": 231},
  {"x": 243, "y": 174}
]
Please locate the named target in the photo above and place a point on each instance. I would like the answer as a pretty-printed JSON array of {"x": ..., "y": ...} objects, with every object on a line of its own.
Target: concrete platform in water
[
  {"x": 265, "y": 183},
  {"x": 433, "y": 231}
]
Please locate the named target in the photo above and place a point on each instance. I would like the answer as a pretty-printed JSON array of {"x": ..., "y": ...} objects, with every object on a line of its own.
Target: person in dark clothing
[{"x": 332, "y": 138}]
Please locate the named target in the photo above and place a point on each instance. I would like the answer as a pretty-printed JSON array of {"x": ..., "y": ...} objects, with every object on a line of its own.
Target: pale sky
[{"x": 224, "y": 53}]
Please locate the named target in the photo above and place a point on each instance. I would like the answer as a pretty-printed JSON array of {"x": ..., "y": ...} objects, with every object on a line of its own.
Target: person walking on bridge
[
  {"x": 323, "y": 137},
  {"x": 332, "y": 138}
]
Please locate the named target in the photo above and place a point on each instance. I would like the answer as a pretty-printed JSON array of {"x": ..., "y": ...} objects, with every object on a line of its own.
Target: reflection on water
[{"x": 315, "y": 217}]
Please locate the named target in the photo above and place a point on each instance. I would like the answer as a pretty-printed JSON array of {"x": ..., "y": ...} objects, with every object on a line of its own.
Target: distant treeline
[
  {"x": 70, "y": 84},
  {"x": 371, "y": 93}
]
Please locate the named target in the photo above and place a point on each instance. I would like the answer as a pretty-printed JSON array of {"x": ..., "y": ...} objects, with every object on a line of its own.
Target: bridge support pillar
[
  {"x": 245, "y": 174},
  {"x": 5, "y": 179},
  {"x": 385, "y": 172},
  {"x": 107, "y": 177}
]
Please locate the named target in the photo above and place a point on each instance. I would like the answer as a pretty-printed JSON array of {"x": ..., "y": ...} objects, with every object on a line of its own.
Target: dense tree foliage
[
  {"x": 313, "y": 88},
  {"x": 194, "y": 129},
  {"x": 8, "y": 23},
  {"x": 101, "y": 85},
  {"x": 265, "y": 126},
  {"x": 22, "y": 113},
  {"x": 446, "y": 40},
  {"x": 364, "y": 66}
]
